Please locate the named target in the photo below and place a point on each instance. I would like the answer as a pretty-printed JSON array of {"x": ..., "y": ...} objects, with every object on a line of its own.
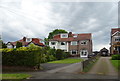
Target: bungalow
[{"x": 26, "y": 42}]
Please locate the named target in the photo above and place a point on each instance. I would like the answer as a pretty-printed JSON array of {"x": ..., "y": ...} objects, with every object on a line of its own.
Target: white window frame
[
  {"x": 76, "y": 43},
  {"x": 62, "y": 42},
  {"x": 30, "y": 39},
  {"x": 64, "y": 35},
  {"x": 82, "y": 42},
  {"x": 84, "y": 51},
  {"x": 72, "y": 51},
  {"x": 118, "y": 38},
  {"x": 53, "y": 42},
  {"x": 75, "y": 36}
]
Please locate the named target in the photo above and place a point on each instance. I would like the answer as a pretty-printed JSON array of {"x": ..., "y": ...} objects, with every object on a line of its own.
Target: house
[
  {"x": 104, "y": 52},
  {"x": 26, "y": 42},
  {"x": 115, "y": 41},
  {"x": 76, "y": 44}
]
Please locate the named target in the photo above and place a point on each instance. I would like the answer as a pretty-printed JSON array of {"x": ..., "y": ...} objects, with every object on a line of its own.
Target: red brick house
[
  {"x": 26, "y": 42},
  {"x": 76, "y": 44},
  {"x": 115, "y": 41}
]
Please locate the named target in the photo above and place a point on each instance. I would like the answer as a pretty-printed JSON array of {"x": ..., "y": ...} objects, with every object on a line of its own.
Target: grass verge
[
  {"x": 116, "y": 64},
  {"x": 67, "y": 61},
  {"x": 14, "y": 76}
]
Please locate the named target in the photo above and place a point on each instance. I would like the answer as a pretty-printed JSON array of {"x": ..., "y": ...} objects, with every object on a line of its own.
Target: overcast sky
[{"x": 33, "y": 18}]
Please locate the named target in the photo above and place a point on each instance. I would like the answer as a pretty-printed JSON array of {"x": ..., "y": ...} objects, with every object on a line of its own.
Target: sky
[{"x": 36, "y": 18}]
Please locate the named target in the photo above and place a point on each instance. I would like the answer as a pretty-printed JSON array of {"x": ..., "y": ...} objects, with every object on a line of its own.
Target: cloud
[{"x": 36, "y": 19}]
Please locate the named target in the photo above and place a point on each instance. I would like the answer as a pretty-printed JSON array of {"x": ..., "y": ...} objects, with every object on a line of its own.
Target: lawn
[
  {"x": 14, "y": 76},
  {"x": 67, "y": 61},
  {"x": 116, "y": 64}
]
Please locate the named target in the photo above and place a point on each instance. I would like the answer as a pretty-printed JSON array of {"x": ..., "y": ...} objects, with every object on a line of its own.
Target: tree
[
  {"x": 19, "y": 44},
  {"x": 54, "y": 32},
  {"x": 3, "y": 45}
]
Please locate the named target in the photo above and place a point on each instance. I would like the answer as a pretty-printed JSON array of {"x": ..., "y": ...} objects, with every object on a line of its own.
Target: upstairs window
[
  {"x": 64, "y": 35},
  {"x": 117, "y": 39},
  {"x": 74, "y": 43},
  {"x": 29, "y": 39},
  {"x": 75, "y": 36},
  {"x": 83, "y": 42},
  {"x": 63, "y": 43},
  {"x": 53, "y": 43}
]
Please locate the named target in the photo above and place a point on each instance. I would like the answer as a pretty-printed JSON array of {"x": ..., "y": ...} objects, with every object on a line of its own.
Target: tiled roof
[
  {"x": 85, "y": 36},
  {"x": 115, "y": 30},
  {"x": 24, "y": 43}
]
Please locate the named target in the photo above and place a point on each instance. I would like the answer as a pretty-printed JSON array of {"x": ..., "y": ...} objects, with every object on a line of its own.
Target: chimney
[
  {"x": 24, "y": 39},
  {"x": 70, "y": 34}
]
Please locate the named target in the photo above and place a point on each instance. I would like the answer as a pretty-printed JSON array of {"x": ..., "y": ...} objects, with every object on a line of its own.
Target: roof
[
  {"x": 115, "y": 30},
  {"x": 104, "y": 49},
  {"x": 85, "y": 36},
  {"x": 24, "y": 43}
]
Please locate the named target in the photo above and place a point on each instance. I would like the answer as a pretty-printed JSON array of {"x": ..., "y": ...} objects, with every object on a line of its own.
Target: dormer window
[
  {"x": 28, "y": 40},
  {"x": 64, "y": 35},
  {"x": 75, "y": 36}
]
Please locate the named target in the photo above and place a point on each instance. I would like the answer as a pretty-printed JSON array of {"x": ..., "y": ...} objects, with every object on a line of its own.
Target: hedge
[
  {"x": 21, "y": 57},
  {"x": 31, "y": 56},
  {"x": 116, "y": 57}
]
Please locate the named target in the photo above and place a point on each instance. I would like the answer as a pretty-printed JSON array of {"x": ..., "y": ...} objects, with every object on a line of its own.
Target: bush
[{"x": 116, "y": 57}]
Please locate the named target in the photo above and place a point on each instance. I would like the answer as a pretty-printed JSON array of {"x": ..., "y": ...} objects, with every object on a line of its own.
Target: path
[{"x": 103, "y": 67}]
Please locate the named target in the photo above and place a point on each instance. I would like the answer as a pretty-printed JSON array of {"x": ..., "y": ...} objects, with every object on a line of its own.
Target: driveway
[{"x": 103, "y": 67}]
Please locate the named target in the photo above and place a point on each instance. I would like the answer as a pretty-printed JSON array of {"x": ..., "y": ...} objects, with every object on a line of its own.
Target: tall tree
[{"x": 19, "y": 44}]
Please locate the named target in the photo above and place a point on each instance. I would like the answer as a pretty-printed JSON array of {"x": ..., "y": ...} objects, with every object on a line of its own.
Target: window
[
  {"x": 74, "y": 52},
  {"x": 75, "y": 36},
  {"x": 83, "y": 42},
  {"x": 64, "y": 35},
  {"x": 63, "y": 43},
  {"x": 29, "y": 39},
  {"x": 84, "y": 52},
  {"x": 117, "y": 38},
  {"x": 53, "y": 43},
  {"x": 74, "y": 43}
]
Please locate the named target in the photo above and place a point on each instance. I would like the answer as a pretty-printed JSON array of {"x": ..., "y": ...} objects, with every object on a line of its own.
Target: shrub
[
  {"x": 116, "y": 57},
  {"x": 59, "y": 54}
]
